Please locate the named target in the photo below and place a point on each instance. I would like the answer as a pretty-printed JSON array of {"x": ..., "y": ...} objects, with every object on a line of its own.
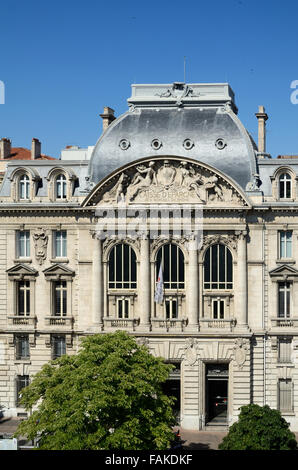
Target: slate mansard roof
[{"x": 196, "y": 120}]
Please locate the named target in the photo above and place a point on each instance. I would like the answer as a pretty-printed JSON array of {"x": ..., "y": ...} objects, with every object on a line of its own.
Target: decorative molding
[
  {"x": 230, "y": 240},
  {"x": 168, "y": 181},
  {"x": 191, "y": 351},
  {"x": 40, "y": 238},
  {"x": 241, "y": 349}
]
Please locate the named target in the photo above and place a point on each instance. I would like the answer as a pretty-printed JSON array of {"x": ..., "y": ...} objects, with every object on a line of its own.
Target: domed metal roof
[{"x": 196, "y": 121}]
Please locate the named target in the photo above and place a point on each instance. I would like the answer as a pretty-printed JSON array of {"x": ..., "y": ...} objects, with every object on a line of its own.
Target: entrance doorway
[
  {"x": 172, "y": 387},
  {"x": 217, "y": 378}
]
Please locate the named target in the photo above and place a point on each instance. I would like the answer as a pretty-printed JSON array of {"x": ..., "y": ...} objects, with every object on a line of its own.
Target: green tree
[
  {"x": 259, "y": 428},
  {"x": 108, "y": 396}
]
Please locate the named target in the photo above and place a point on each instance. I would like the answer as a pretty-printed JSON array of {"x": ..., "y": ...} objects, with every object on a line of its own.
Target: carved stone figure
[
  {"x": 142, "y": 182},
  {"x": 164, "y": 181},
  {"x": 40, "y": 242},
  {"x": 118, "y": 192}
]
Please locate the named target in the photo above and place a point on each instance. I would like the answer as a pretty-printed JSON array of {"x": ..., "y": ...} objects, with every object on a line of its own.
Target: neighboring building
[{"x": 226, "y": 316}]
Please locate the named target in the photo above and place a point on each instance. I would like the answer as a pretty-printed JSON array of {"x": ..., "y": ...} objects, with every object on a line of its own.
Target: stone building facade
[{"x": 175, "y": 186}]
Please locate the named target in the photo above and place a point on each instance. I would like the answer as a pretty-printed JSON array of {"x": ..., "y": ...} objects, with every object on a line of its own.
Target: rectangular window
[
  {"x": 284, "y": 300},
  {"x": 122, "y": 308},
  {"x": 23, "y": 243},
  {"x": 23, "y": 298},
  {"x": 60, "y": 298},
  {"x": 285, "y": 244},
  {"x": 22, "y": 347},
  {"x": 218, "y": 309},
  {"x": 58, "y": 346},
  {"x": 171, "y": 307},
  {"x": 285, "y": 395},
  {"x": 285, "y": 350},
  {"x": 60, "y": 244},
  {"x": 22, "y": 381}
]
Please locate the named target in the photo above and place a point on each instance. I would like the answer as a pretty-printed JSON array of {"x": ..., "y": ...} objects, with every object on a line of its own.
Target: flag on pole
[{"x": 159, "y": 287}]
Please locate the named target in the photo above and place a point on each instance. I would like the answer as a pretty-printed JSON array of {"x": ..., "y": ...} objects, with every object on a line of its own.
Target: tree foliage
[
  {"x": 259, "y": 428},
  {"x": 108, "y": 396}
]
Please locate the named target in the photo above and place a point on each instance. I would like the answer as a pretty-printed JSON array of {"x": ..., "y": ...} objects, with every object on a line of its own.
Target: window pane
[
  {"x": 214, "y": 253},
  {"x": 64, "y": 302},
  {"x": 167, "y": 309},
  {"x": 122, "y": 267},
  {"x": 281, "y": 301},
  {"x": 207, "y": 268},
  {"x": 222, "y": 264},
  {"x": 215, "y": 305},
  {"x": 221, "y": 261}
]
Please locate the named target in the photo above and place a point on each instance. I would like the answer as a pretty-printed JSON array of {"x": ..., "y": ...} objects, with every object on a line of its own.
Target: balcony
[
  {"x": 173, "y": 323},
  {"x": 130, "y": 323},
  {"x": 218, "y": 324},
  {"x": 60, "y": 322},
  {"x": 284, "y": 322},
  {"x": 20, "y": 322}
]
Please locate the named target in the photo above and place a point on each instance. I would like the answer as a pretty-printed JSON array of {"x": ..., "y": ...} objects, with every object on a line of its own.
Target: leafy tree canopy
[
  {"x": 259, "y": 428},
  {"x": 108, "y": 396}
]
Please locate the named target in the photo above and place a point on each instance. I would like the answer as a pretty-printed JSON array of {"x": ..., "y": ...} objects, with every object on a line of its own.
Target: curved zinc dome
[{"x": 197, "y": 121}]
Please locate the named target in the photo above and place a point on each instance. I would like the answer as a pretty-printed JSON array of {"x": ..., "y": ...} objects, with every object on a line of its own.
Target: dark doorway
[
  {"x": 216, "y": 393},
  {"x": 172, "y": 387}
]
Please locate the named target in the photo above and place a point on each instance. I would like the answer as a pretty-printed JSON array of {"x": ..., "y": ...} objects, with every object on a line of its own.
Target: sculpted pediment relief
[{"x": 163, "y": 181}]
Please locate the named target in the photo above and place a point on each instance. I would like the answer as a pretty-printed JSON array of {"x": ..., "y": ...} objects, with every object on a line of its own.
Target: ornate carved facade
[{"x": 83, "y": 245}]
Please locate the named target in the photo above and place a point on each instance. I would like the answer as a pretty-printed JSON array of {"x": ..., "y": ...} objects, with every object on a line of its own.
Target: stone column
[
  {"x": 240, "y": 283},
  {"x": 97, "y": 282},
  {"x": 144, "y": 283},
  {"x": 192, "y": 287}
]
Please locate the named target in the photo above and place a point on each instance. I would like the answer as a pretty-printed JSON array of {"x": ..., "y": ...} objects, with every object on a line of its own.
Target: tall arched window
[
  {"x": 285, "y": 186},
  {"x": 171, "y": 258},
  {"x": 24, "y": 187},
  {"x": 218, "y": 268},
  {"x": 61, "y": 187},
  {"x": 122, "y": 267}
]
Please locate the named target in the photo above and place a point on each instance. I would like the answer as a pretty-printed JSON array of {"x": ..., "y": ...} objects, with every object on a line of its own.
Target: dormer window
[
  {"x": 61, "y": 187},
  {"x": 24, "y": 188},
  {"x": 285, "y": 186}
]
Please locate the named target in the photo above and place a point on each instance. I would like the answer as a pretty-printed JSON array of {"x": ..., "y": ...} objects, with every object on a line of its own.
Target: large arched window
[
  {"x": 122, "y": 267},
  {"x": 218, "y": 268},
  {"x": 285, "y": 186},
  {"x": 171, "y": 258}
]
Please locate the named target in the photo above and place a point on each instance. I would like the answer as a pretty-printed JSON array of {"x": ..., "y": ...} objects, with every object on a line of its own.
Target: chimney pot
[
  {"x": 107, "y": 117},
  {"x": 35, "y": 149},
  {"x": 5, "y": 147},
  {"x": 262, "y": 118}
]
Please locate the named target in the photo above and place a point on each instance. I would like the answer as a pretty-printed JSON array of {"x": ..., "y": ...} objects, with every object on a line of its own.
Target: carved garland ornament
[{"x": 40, "y": 242}]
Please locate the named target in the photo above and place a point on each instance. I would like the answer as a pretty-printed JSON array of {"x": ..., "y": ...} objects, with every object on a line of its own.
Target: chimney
[
  {"x": 262, "y": 118},
  {"x": 107, "y": 117},
  {"x": 35, "y": 149},
  {"x": 5, "y": 148}
]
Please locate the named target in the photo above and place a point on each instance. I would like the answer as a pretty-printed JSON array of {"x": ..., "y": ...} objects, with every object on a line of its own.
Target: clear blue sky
[{"x": 63, "y": 61}]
